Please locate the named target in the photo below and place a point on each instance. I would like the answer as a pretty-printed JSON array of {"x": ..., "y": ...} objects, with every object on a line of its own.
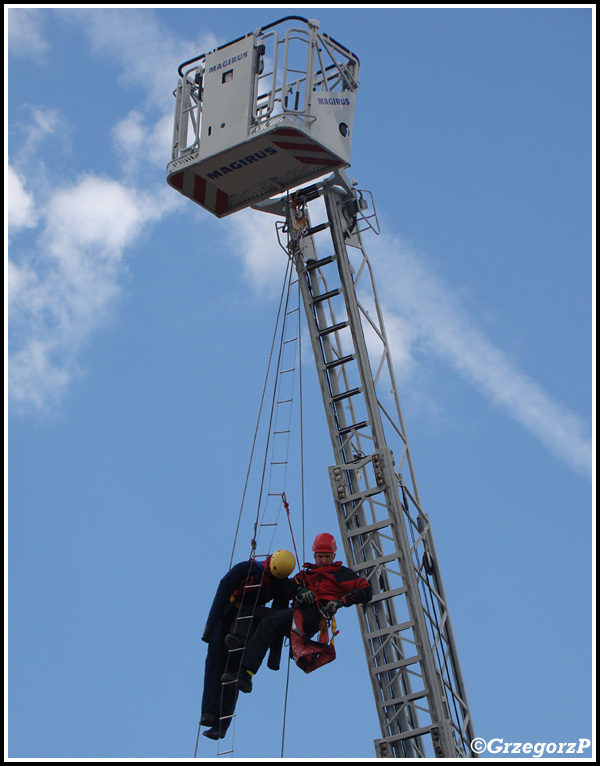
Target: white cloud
[
  {"x": 20, "y": 206},
  {"x": 124, "y": 37},
  {"x": 24, "y": 32},
  {"x": 61, "y": 294},
  {"x": 146, "y": 53},
  {"x": 422, "y": 311},
  {"x": 65, "y": 289},
  {"x": 36, "y": 381},
  {"x": 96, "y": 214},
  {"x": 401, "y": 337},
  {"x": 411, "y": 289},
  {"x": 41, "y": 123},
  {"x": 58, "y": 297},
  {"x": 140, "y": 141},
  {"x": 252, "y": 235}
]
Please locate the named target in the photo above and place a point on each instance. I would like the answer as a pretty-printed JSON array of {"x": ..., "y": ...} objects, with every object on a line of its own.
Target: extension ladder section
[
  {"x": 408, "y": 640},
  {"x": 258, "y": 117}
]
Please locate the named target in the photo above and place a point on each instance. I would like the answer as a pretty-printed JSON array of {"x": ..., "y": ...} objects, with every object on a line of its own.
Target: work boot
[
  {"x": 214, "y": 733},
  {"x": 208, "y": 719},
  {"x": 243, "y": 679},
  {"x": 233, "y": 642}
]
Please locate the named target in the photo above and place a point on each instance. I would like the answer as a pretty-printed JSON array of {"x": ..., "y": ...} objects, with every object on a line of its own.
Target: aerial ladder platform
[{"x": 290, "y": 95}]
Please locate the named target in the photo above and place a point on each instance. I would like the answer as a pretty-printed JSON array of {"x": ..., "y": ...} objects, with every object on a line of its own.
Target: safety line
[
  {"x": 288, "y": 275},
  {"x": 280, "y": 326},
  {"x": 283, "y": 292},
  {"x": 301, "y": 397},
  {"x": 287, "y": 685},
  {"x": 287, "y": 510}
]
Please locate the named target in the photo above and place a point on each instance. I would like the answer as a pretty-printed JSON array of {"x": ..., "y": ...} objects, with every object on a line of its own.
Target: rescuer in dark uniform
[
  {"x": 237, "y": 608},
  {"x": 322, "y": 588}
]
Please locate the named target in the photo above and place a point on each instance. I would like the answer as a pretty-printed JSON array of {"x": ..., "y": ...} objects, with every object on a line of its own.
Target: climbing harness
[{"x": 307, "y": 653}]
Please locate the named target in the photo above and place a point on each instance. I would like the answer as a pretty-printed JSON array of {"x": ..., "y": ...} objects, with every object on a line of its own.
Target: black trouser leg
[
  {"x": 247, "y": 619},
  {"x": 217, "y": 700},
  {"x": 276, "y": 625}
]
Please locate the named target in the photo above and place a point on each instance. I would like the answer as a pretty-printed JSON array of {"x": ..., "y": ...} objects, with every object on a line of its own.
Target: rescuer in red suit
[{"x": 323, "y": 587}]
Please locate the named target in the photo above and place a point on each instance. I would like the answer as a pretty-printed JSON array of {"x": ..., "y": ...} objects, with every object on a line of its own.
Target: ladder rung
[
  {"x": 378, "y": 670},
  {"x": 411, "y": 734},
  {"x": 403, "y": 700},
  {"x": 311, "y": 265},
  {"x": 368, "y": 528},
  {"x": 317, "y": 228},
  {"x": 391, "y": 632},
  {"x": 326, "y": 296},
  {"x": 353, "y": 427},
  {"x": 388, "y": 594},
  {"x": 345, "y": 395},
  {"x": 375, "y": 562},
  {"x": 333, "y": 328},
  {"x": 337, "y": 362},
  {"x": 362, "y": 495}
]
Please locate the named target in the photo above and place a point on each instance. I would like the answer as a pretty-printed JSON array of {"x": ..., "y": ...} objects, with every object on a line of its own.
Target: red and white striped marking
[
  {"x": 302, "y": 148},
  {"x": 195, "y": 187}
]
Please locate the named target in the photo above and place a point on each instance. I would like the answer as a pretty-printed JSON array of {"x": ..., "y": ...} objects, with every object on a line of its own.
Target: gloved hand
[
  {"x": 306, "y": 596},
  {"x": 331, "y": 607},
  {"x": 208, "y": 631}
]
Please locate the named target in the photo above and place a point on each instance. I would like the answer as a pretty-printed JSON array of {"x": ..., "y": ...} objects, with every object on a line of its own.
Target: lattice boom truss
[{"x": 406, "y": 629}]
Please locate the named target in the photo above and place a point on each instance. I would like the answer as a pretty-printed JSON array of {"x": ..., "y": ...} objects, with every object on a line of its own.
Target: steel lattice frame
[{"x": 406, "y": 630}]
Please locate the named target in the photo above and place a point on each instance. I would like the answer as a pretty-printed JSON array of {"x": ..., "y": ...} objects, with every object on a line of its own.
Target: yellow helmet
[{"x": 282, "y": 563}]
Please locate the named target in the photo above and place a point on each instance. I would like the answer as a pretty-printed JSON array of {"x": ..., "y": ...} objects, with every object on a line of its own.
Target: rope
[
  {"x": 288, "y": 274},
  {"x": 287, "y": 686},
  {"x": 197, "y": 738},
  {"x": 279, "y": 329},
  {"x": 283, "y": 306},
  {"x": 283, "y": 291},
  {"x": 287, "y": 510},
  {"x": 301, "y": 392},
  {"x": 287, "y": 507}
]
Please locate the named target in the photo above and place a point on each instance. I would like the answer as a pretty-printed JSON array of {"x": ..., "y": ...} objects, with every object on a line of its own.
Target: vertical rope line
[
  {"x": 197, "y": 738},
  {"x": 281, "y": 299},
  {"x": 288, "y": 275},
  {"x": 287, "y": 684},
  {"x": 301, "y": 395}
]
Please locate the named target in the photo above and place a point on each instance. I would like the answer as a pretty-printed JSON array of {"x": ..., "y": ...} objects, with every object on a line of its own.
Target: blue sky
[{"x": 138, "y": 337}]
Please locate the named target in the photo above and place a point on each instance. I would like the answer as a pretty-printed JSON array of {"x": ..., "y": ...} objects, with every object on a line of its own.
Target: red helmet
[{"x": 324, "y": 543}]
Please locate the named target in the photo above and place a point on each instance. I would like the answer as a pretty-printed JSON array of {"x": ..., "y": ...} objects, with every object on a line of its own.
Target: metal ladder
[
  {"x": 276, "y": 457},
  {"x": 407, "y": 635}
]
